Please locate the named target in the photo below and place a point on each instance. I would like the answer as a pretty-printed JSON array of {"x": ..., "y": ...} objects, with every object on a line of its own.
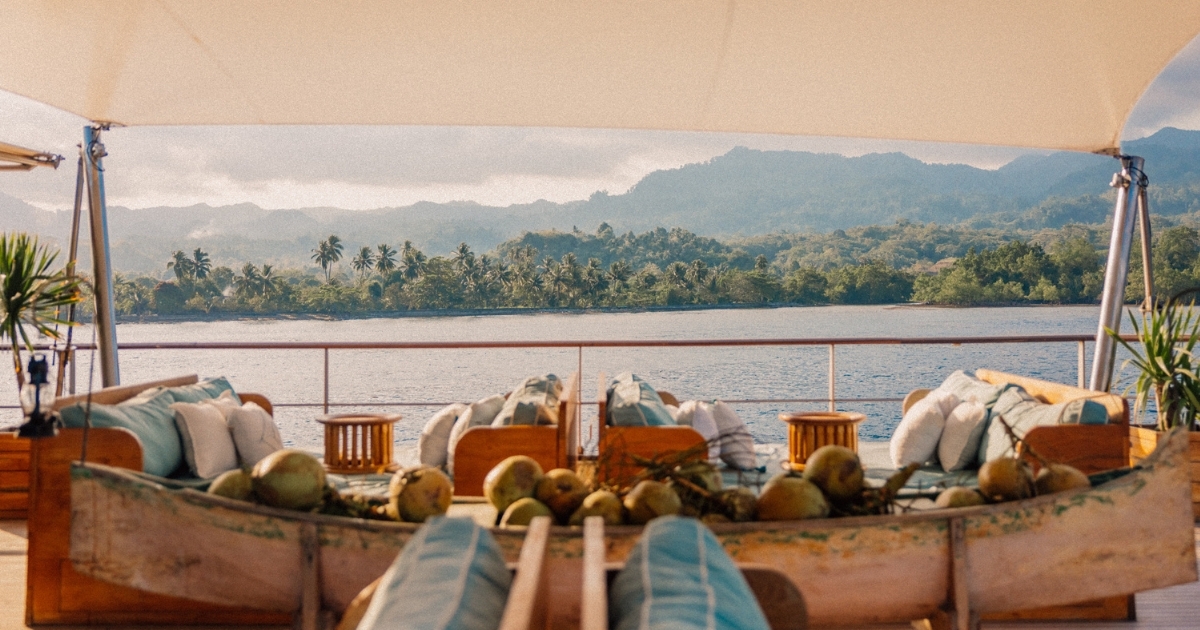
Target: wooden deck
[{"x": 1171, "y": 608}]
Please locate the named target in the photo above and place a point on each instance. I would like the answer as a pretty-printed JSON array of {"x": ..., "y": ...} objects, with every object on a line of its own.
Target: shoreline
[{"x": 483, "y": 312}]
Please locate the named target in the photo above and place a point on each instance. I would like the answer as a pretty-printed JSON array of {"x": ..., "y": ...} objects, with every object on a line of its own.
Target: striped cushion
[
  {"x": 450, "y": 576},
  {"x": 632, "y": 402},
  {"x": 678, "y": 577}
]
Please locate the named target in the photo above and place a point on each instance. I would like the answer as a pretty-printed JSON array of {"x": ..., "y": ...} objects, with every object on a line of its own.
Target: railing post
[
  {"x": 1082, "y": 358},
  {"x": 326, "y": 401},
  {"x": 832, "y": 379}
]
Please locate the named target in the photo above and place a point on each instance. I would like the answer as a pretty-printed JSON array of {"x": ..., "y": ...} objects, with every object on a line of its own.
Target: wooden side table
[
  {"x": 810, "y": 430},
  {"x": 359, "y": 443}
]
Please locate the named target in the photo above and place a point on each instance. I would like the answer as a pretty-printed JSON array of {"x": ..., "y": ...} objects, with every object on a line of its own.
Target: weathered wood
[
  {"x": 527, "y": 603},
  {"x": 358, "y": 607},
  {"x": 1143, "y": 440},
  {"x": 310, "y": 577},
  {"x": 1072, "y": 546},
  {"x": 593, "y": 607}
]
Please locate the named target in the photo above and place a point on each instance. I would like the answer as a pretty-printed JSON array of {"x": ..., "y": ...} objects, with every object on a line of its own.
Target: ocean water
[{"x": 733, "y": 373}]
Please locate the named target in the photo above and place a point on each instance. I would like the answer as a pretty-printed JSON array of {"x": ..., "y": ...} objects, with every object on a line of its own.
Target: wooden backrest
[
  {"x": 1054, "y": 393},
  {"x": 120, "y": 393},
  {"x": 481, "y": 448},
  {"x": 618, "y": 446}
]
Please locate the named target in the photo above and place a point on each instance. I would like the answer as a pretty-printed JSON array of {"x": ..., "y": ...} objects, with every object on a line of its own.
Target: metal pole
[
  {"x": 1143, "y": 207},
  {"x": 832, "y": 380},
  {"x": 1116, "y": 271},
  {"x": 1081, "y": 373},
  {"x": 325, "y": 403},
  {"x": 106, "y": 329}
]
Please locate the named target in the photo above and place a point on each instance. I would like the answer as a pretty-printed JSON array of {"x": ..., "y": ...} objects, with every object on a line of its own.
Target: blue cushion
[
  {"x": 151, "y": 420},
  {"x": 1023, "y": 413},
  {"x": 632, "y": 402},
  {"x": 966, "y": 387},
  {"x": 451, "y": 574},
  {"x": 678, "y": 577},
  {"x": 204, "y": 390}
]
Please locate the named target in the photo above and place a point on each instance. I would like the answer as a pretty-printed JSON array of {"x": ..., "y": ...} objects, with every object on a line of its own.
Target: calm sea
[{"x": 700, "y": 373}]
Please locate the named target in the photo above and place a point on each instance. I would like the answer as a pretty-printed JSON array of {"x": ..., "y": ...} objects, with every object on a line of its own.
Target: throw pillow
[
  {"x": 254, "y": 433},
  {"x": 679, "y": 577},
  {"x": 737, "y": 445},
  {"x": 478, "y": 414},
  {"x": 959, "y": 446},
  {"x": 965, "y": 386},
  {"x": 206, "y": 389},
  {"x": 450, "y": 575},
  {"x": 1022, "y": 412},
  {"x": 435, "y": 437},
  {"x": 207, "y": 445},
  {"x": 915, "y": 440},
  {"x": 697, "y": 415},
  {"x": 533, "y": 402},
  {"x": 151, "y": 420},
  {"x": 632, "y": 402}
]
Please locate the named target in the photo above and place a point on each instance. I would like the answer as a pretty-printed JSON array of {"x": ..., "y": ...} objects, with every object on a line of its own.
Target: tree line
[{"x": 648, "y": 270}]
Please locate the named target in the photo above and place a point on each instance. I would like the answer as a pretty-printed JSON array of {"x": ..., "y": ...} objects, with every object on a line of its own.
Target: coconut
[
  {"x": 740, "y": 504},
  {"x": 290, "y": 479},
  {"x": 957, "y": 497},
  {"x": 514, "y": 478},
  {"x": 1060, "y": 478},
  {"x": 562, "y": 491},
  {"x": 649, "y": 500},
  {"x": 837, "y": 471},
  {"x": 1005, "y": 479},
  {"x": 418, "y": 494},
  {"x": 522, "y": 512},
  {"x": 789, "y": 498},
  {"x": 600, "y": 503},
  {"x": 233, "y": 484}
]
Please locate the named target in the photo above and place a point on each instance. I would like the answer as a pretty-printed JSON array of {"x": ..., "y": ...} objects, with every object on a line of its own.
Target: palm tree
[
  {"x": 412, "y": 261},
  {"x": 464, "y": 260},
  {"x": 201, "y": 265},
  {"x": 364, "y": 261},
  {"x": 385, "y": 262},
  {"x": 249, "y": 283},
  {"x": 676, "y": 274},
  {"x": 31, "y": 294},
  {"x": 335, "y": 248},
  {"x": 182, "y": 265},
  {"x": 269, "y": 284},
  {"x": 328, "y": 252}
]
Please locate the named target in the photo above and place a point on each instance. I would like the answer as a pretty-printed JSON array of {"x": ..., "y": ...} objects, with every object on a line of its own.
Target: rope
[{"x": 87, "y": 408}]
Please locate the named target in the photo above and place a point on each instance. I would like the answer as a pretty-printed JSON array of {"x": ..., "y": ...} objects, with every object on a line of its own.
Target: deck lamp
[{"x": 37, "y": 396}]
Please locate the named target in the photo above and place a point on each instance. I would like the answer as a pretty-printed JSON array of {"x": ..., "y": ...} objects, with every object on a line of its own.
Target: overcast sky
[{"x": 372, "y": 167}]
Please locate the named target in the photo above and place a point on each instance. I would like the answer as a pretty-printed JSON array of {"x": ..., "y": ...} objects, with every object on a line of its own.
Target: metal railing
[{"x": 833, "y": 343}]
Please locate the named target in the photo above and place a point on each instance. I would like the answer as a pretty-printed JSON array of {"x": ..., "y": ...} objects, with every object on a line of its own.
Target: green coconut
[
  {"x": 290, "y": 479},
  {"x": 1006, "y": 479},
  {"x": 600, "y": 503},
  {"x": 651, "y": 499},
  {"x": 562, "y": 491},
  {"x": 740, "y": 504},
  {"x": 418, "y": 494},
  {"x": 233, "y": 484},
  {"x": 957, "y": 497},
  {"x": 522, "y": 512},
  {"x": 789, "y": 498},
  {"x": 1060, "y": 478},
  {"x": 837, "y": 471},
  {"x": 514, "y": 478}
]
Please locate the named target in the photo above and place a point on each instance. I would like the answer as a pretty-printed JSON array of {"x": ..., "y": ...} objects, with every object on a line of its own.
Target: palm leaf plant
[
  {"x": 31, "y": 294},
  {"x": 1166, "y": 361}
]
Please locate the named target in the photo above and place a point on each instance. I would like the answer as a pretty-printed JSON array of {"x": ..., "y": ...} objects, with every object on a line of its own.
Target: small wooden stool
[
  {"x": 359, "y": 443},
  {"x": 810, "y": 430}
]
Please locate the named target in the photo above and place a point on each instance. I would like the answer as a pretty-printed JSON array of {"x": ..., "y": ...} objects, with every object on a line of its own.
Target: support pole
[
  {"x": 1143, "y": 208},
  {"x": 68, "y": 313},
  {"x": 1128, "y": 182},
  {"x": 106, "y": 329}
]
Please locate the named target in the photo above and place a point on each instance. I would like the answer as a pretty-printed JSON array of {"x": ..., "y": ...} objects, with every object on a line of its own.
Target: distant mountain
[{"x": 742, "y": 193}]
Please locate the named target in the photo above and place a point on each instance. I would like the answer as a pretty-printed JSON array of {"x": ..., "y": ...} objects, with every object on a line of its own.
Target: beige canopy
[
  {"x": 14, "y": 158},
  {"x": 1060, "y": 74}
]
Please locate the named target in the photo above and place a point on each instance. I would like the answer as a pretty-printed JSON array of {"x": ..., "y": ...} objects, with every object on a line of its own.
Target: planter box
[{"x": 1143, "y": 440}]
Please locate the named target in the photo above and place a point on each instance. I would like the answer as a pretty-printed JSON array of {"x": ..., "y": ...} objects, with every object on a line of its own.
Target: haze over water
[{"x": 441, "y": 376}]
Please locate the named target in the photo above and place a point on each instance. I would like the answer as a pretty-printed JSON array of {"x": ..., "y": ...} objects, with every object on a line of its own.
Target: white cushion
[
  {"x": 964, "y": 431},
  {"x": 254, "y": 433},
  {"x": 479, "y": 414},
  {"x": 435, "y": 437},
  {"x": 697, "y": 415},
  {"x": 737, "y": 445},
  {"x": 207, "y": 446},
  {"x": 916, "y": 438}
]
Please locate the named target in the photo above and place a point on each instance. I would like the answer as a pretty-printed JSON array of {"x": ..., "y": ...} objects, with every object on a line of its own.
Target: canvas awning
[
  {"x": 1063, "y": 74},
  {"x": 14, "y": 158}
]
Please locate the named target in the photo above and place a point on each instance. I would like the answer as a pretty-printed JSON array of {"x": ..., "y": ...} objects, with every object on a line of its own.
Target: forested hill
[{"x": 744, "y": 194}]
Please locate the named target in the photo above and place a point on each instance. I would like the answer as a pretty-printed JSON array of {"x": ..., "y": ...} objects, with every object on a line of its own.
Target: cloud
[{"x": 1171, "y": 101}]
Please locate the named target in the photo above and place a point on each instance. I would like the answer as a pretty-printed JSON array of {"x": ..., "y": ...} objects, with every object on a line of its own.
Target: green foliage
[
  {"x": 1166, "y": 363},
  {"x": 31, "y": 294}
]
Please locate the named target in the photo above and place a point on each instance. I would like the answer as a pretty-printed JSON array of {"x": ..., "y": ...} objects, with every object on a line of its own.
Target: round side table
[
  {"x": 810, "y": 430},
  {"x": 359, "y": 443}
]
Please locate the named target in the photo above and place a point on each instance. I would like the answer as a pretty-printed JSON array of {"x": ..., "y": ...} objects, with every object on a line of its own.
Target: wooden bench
[
  {"x": 556, "y": 446},
  {"x": 55, "y": 592}
]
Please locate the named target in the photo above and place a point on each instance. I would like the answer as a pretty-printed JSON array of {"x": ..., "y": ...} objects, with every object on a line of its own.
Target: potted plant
[
  {"x": 1168, "y": 369},
  {"x": 31, "y": 295}
]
